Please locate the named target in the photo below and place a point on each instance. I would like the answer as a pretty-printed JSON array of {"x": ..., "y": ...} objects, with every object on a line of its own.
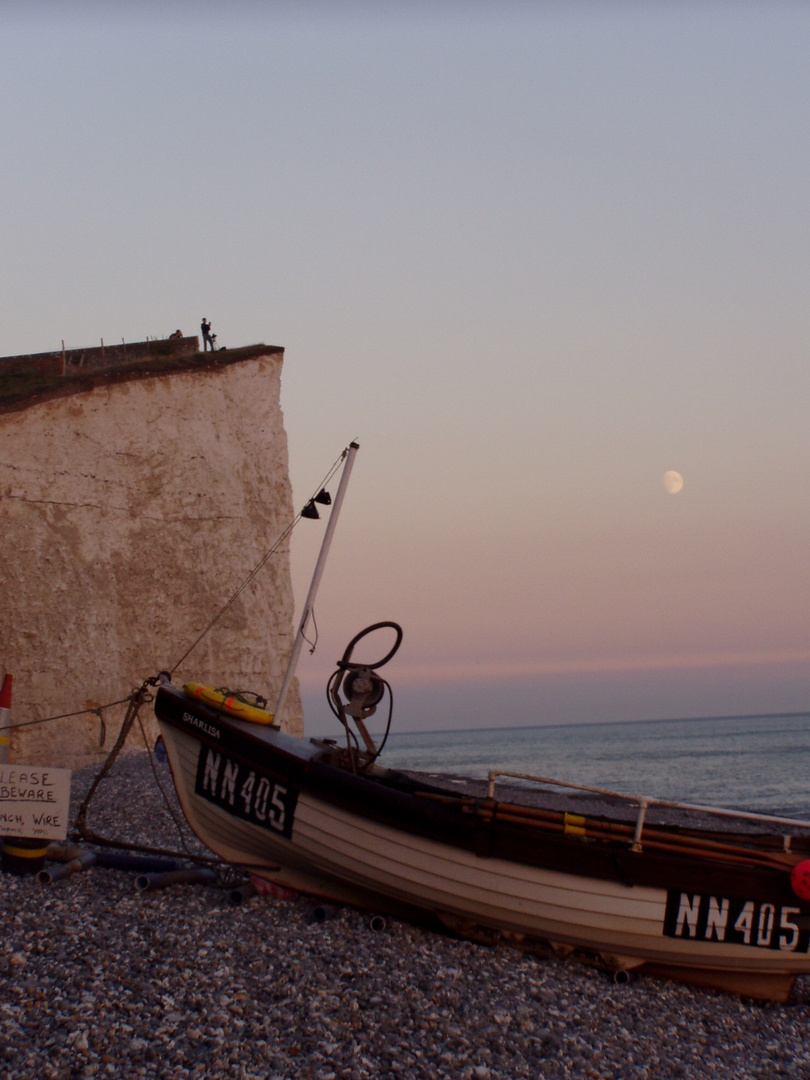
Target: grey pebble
[{"x": 100, "y": 981}]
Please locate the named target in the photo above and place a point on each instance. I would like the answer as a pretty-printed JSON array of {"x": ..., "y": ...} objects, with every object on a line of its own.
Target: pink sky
[{"x": 532, "y": 256}]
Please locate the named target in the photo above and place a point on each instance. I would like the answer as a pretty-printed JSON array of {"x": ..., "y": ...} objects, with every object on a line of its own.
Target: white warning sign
[{"x": 34, "y": 801}]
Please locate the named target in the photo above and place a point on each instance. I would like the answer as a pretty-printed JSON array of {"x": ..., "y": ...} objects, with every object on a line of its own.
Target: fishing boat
[{"x": 710, "y": 896}]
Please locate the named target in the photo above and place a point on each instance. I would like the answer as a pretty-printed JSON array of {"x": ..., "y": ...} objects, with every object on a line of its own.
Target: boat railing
[{"x": 644, "y": 802}]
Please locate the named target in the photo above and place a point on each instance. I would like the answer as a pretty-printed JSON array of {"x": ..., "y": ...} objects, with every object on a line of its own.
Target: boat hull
[{"x": 270, "y": 804}]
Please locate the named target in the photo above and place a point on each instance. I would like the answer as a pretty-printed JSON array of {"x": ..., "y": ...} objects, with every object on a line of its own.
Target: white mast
[{"x": 316, "y": 580}]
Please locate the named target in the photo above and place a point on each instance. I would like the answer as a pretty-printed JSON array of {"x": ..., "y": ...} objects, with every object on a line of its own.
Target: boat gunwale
[{"x": 646, "y": 801}]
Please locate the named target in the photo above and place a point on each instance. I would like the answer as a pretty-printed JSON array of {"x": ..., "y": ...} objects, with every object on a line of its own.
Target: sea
[{"x": 754, "y": 763}]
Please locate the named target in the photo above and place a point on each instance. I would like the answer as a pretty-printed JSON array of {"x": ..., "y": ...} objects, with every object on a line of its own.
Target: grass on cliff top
[{"x": 17, "y": 389}]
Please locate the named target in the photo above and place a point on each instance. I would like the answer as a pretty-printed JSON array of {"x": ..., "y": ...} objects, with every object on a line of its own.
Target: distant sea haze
[{"x": 757, "y": 763}]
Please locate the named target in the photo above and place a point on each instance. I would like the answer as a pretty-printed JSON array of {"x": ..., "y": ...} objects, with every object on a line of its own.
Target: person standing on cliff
[{"x": 205, "y": 326}]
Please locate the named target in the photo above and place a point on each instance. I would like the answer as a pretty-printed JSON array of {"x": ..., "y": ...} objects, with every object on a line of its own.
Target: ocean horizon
[
  {"x": 758, "y": 762},
  {"x": 607, "y": 723}
]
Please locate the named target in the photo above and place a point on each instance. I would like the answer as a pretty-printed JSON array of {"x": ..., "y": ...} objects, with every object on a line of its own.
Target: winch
[{"x": 355, "y": 690}]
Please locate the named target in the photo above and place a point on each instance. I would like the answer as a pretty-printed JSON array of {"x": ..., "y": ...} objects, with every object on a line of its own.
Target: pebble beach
[{"x": 99, "y": 979}]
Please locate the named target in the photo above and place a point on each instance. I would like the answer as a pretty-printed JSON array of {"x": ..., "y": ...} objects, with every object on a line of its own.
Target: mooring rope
[
  {"x": 257, "y": 567},
  {"x": 136, "y": 699},
  {"x": 68, "y": 715}
]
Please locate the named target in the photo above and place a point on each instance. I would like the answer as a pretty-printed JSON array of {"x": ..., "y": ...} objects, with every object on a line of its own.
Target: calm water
[{"x": 754, "y": 763}]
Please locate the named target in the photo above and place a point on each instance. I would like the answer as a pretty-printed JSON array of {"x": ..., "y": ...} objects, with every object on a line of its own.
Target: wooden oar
[{"x": 653, "y": 838}]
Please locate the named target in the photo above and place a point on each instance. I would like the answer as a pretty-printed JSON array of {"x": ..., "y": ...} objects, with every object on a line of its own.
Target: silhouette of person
[{"x": 206, "y": 335}]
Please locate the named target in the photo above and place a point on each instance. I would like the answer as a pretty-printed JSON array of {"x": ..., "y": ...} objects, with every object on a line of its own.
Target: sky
[{"x": 530, "y": 255}]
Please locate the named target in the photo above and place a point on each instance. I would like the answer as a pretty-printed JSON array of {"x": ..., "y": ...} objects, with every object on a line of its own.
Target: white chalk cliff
[{"x": 131, "y": 512}]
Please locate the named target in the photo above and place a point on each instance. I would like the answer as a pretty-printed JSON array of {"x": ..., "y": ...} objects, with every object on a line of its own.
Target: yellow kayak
[{"x": 228, "y": 702}]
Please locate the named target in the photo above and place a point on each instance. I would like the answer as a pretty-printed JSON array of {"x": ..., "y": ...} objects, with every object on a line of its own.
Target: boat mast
[{"x": 316, "y": 580}]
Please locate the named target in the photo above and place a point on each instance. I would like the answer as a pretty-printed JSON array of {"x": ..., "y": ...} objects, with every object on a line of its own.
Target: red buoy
[{"x": 800, "y": 879}]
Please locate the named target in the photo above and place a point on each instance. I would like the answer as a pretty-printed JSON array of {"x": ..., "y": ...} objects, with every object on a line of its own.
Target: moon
[{"x": 673, "y": 482}]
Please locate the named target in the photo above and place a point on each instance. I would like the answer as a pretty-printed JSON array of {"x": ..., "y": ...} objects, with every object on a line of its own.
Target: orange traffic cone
[{"x": 19, "y": 855}]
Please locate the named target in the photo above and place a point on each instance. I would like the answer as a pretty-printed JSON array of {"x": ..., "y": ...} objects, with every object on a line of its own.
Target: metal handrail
[{"x": 645, "y": 801}]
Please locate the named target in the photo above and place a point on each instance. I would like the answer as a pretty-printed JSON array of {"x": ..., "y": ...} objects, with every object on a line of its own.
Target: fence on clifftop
[{"x": 71, "y": 361}]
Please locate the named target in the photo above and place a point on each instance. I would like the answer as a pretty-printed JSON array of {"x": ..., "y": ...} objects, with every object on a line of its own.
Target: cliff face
[{"x": 130, "y": 514}]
